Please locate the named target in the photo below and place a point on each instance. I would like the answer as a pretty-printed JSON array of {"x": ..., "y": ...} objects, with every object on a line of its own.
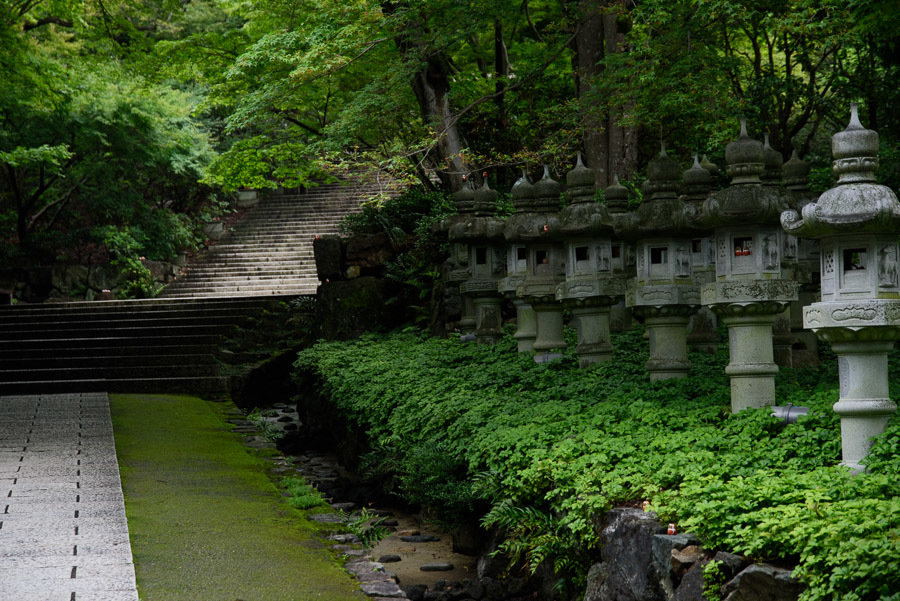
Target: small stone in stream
[
  {"x": 389, "y": 558},
  {"x": 382, "y": 589},
  {"x": 436, "y": 566},
  {"x": 326, "y": 518},
  {"x": 411, "y": 532},
  {"x": 343, "y": 506},
  {"x": 421, "y": 538},
  {"x": 344, "y": 538},
  {"x": 390, "y": 523},
  {"x": 285, "y": 418}
]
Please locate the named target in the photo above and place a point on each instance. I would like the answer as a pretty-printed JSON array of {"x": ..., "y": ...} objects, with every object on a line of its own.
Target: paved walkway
[{"x": 63, "y": 533}]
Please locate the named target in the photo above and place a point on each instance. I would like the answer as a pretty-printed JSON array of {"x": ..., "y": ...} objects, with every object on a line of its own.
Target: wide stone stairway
[
  {"x": 270, "y": 250},
  {"x": 170, "y": 343}
]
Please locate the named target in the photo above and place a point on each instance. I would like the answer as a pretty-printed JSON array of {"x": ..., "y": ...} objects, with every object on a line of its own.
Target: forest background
[{"x": 124, "y": 126}]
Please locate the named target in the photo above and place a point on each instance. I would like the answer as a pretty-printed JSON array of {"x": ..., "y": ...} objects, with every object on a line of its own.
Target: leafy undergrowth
[{"x": 551, "y": 447}]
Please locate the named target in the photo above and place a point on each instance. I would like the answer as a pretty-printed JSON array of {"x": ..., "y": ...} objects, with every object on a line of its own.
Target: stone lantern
[
  {"x": 545, "y": 262},
  {"x": 620, "y": 318},
  {"x": 663, "y": 291},
  {"x": 458, "y": 263},
  {"x": 795, "y": 173},
  {"x": 696, "y": 184},
  {"x": 482, "y": 234},
  {"x": 857, "y": 223},
  {"x": 751, "y": 288},
  {"x": 517, "y": 264},
  {"x": 595, "y": 266}
]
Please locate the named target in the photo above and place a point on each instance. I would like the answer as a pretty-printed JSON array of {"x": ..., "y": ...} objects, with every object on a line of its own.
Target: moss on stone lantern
[{"x": 857, "y": 223}]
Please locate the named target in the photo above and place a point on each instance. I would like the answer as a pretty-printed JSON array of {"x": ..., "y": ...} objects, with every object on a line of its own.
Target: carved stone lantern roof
[
  {"x": 464, "y": 198},
  {"x": 523, "y": 194},
  {"x": 773, "y": 162},
  {"x": 485, "y": 204},
  {"x": 580, "y": 183},
  {"x": 696, "y": 183},
  {"x": 709, "y": 166},
  {"x": 616, "y": 197},
  {"x": 547, "y": 191},
  {"x": 746, "y": 201},
  {"x": 661, "y": 213},
  {"x": 482, "y": 226},
  {"x": 583, "y": 217},
  {"x": 795, "y": 176},
  {"x": 856, "y": 204}
]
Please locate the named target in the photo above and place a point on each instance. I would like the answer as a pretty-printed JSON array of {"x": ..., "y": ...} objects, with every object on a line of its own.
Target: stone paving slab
[{"x": 63, "y": 532}]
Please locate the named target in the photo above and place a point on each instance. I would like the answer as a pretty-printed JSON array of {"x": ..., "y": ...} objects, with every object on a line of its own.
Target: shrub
[{"x": 562, "y": 445}]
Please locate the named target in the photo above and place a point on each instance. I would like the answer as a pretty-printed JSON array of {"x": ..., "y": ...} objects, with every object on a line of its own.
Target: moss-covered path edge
[{"x": 206, "y": 523}]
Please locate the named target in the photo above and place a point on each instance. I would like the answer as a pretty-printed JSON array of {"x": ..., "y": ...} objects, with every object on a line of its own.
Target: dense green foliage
[{"x": 551, "y": 447}]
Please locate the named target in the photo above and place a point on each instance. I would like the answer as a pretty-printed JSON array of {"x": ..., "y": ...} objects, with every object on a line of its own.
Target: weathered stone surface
[
  {"x": 369, "y": 251},
  {"x": 346, "y": 309},
  {"x": 326, "y": 518},
  {"x": 691, "y": 586},
  {"x": 731, "y": 564},
  {"x": 763, "y": 582},
  {"x": 389, "y": 559},
  {"x": 382, "y": 589},
  {"x": 420, "y": 538},
  {"x": 683, "y": 559},
  {"x": 414, "y": 592},
  {"x": 436, "y": 566},
  {"x": 632, "y": 574},
  {"x": 596, "y": 578}
]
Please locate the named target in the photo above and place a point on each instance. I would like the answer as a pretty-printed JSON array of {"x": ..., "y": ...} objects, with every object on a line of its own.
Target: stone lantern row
[{"x": 742, "y": 255}]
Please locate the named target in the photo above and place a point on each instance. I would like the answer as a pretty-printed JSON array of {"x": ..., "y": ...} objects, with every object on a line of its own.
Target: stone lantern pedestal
[
  {"x": 663, "y": 292},
  {"x": 857, "y": 223},
  {"x": 526, "y": 321},
  {"x": 751, "y": 289}
]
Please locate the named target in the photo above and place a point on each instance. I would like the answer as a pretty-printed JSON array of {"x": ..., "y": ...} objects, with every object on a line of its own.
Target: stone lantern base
[
  {"x": 861, "y": 333},
  {"x": 467, "y": 320},
  {"x": 749, "y": 310},
  {"x": 666, "y": 310},
  {"x": 548, "y": 314},
  {"x": 590, "y": 300},
  {"x": 526, "y": 321},
  {"x": 487, "y": 302}
]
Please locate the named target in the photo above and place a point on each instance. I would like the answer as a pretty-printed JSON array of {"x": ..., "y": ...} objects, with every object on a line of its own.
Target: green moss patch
[{"x": 205, "y": 521}]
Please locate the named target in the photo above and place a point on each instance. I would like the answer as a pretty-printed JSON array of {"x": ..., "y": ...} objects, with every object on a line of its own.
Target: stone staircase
[
  {"x": 154, "y": 345},
  {"x": 270, "y": 250},
  {"x": 171, "y": 343}
]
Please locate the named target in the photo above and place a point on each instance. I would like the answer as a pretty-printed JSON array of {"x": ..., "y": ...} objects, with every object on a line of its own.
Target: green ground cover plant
[{"x": 547, "y": 449}]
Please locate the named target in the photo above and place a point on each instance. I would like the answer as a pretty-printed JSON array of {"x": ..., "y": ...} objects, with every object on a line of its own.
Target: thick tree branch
[{"x": 46, "y": 21}]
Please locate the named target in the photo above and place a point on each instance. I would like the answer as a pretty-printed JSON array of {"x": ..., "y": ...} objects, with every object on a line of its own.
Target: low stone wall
[
  {"x": 73, "y": 282},
  {"x": 641, "y": 562}
]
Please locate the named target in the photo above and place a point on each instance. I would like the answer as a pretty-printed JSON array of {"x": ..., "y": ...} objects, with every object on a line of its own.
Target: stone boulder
[
  {"x": 629, "y": 571},
  {"x": 348, "y": 308},
  {"x": 329, "y": 257},
  {"x": 369, "y": 252},
  {"x": 763, "y": 582}
]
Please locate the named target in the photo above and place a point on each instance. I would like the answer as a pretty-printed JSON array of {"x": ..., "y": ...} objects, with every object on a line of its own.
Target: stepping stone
[
  {"x": 437, "y": 566},
  {"x": 389, "y": 559},
  {"x": 326, "y": 518},
  {"x": 420, "y": 538},
  {"x": 383, "y": 589},
  {"x": 344, "y": 538}
]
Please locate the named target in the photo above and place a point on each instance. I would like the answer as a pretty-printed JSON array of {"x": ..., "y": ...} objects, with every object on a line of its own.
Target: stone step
[
  {"x": 212, "y": 293},
  {"x": 135, "y": 350},
  {"x": 34, "y": 325},
  {"x": 62, "y": 344},
  {"x": 248, "y": 288},
  {"x": 116, "y": 372},
  {"x": 143, "y": 385},
  {"x": 103, "y": 329},
  {"x": 16, "y": 362},
  {"x": 191, "y": 315}
]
